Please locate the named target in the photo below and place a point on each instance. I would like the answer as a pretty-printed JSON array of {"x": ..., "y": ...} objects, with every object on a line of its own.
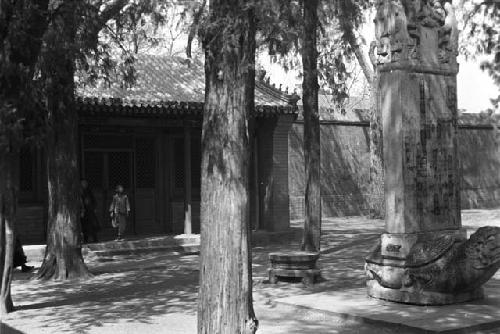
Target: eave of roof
[{"x": 95, "y": 107}]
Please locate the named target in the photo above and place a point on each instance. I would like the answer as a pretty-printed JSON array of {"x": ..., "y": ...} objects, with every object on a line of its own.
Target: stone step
[
  {"x": 184, "y": 244},
  {"x": 165, "y": 241},
  {"x": 187, "y": 249},
  {"x": 34, "y": 253}
]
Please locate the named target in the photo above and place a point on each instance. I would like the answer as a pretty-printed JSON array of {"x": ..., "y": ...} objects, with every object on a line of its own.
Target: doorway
[{"x": 104, "y": 170}]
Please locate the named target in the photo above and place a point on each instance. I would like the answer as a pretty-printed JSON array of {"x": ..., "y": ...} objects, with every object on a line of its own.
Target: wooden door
[
  {"x": 94, "y": 172},
  {"x": 145, "y": 184},
  {"x": 104, "y": 171},
  {"x": 119, "y": 171}
]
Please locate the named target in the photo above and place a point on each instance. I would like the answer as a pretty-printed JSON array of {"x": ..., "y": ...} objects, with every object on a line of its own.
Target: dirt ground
[{"x": 157, "y": 292}]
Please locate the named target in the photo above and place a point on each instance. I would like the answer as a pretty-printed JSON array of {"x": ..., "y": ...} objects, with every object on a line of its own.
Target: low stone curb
[
  {"x": 183, "y": 244},
  {"x": 192, "y": 249}
]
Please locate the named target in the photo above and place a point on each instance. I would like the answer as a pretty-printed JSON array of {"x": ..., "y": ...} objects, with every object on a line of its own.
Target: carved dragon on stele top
[{"x": 400, "y": 26}]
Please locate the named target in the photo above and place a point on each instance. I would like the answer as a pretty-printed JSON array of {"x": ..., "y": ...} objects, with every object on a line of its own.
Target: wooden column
[
  {"x": 187, "y": 180},
  {"x": 255, "y": 149},
  {"x": 161, "y": 182}
]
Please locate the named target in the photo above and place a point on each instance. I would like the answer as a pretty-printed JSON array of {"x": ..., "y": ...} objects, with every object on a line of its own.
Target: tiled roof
[{"x": 169, "y": 86}]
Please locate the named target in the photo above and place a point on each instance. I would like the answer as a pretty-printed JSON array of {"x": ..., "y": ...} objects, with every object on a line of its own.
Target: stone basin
[
  {"x": 293, "y": 260},
  {"x": 299, "y": 264}
]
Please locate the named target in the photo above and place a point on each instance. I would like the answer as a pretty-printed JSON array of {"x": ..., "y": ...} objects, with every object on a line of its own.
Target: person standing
[
  {"x": 90, "y": 223},
  {"x": 119, "y": 211},
  {"x": 20, "y": 259}
]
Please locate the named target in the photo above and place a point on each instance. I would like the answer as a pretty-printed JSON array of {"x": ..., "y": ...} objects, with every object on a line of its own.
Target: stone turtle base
[{"x": 415, "y": 297}]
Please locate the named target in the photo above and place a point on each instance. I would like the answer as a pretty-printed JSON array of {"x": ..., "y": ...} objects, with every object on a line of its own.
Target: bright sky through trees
[{"x": 475, "y": 87}]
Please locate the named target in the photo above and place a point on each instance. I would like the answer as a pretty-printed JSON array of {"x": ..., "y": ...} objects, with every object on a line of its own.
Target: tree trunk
[
  {"x": 22, "y": 23},
  {"x": 225, "y": 295},
  {"x": 376, "y": 200},
  {"x": 8, "y": 203},
  {"x": 312, "y": 148},
  {"x": 63, "y": 255}
]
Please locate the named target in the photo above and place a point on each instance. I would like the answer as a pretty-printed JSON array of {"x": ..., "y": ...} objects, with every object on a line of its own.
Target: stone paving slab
[{"x": 354, "y": 304}]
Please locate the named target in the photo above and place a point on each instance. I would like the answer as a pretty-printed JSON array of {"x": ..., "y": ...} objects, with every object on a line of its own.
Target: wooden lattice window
[
  {"x": 119, "y": 169},
  {"x": 178, "y": 152},
  {"x": 94, "y": 169},
  {"x": 145, "y": 162},
  {"x": 196, "y": 162},
  {"x": 98, "y": 141}
]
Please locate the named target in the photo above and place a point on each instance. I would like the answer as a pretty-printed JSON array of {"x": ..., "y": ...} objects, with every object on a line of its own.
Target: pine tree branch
[
  {"x": 358, "y": 52},
  {"x": 112, "y": 10},
  {"x": 348, "y": 30},
  {"x": 194, "y": 27}
]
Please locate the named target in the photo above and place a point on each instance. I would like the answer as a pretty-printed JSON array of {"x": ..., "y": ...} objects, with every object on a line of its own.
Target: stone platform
[
  {"x": 143, "y": 244},
  {"x": 183, "y": 244},
  {"x": 355, "y": 305}
]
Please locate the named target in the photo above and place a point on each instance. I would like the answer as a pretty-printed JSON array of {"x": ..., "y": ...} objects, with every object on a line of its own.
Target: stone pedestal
[
  {"x": 423, "y": 258},
  {"x": 416, "y": 297},
  {"x": 294, "y": 264}
]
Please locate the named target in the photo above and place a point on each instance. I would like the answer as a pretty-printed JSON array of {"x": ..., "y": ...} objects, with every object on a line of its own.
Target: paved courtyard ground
[{"x": 156, "y": 292}]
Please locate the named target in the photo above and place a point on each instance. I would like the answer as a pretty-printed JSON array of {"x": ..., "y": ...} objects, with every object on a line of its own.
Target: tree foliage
[
  {"x": 149, "y": 26},
  {"x": 338, "y": 43},
  {"x": 480, "y": 26},
  {"x": 279, "y": 33},
  {"x": 21, "y": 27}
]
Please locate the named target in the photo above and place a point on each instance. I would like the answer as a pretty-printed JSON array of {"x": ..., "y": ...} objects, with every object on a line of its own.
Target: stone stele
[{"x": 424, "y": 257}]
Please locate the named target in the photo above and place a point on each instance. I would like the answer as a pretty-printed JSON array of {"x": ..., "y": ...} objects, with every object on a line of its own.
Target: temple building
[{"x": 147, "y": 137}]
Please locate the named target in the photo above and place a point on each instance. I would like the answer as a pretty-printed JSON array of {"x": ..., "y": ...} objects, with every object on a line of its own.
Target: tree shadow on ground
[
  {"x": 383, "y": 317},
  {"x": 341, "y": 262},
  {"x": 347, "y": 225},
  {"x": 141, "y": 289},
  {"x": 345, "y": 244},
  {"x": 133, "y": 295},
  {"x": 292, "y": 320},
  {"x": 6, "y": 329}
]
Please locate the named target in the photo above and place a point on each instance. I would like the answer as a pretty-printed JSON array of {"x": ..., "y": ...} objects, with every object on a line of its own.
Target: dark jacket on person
[
  {"x": 89, "y": 218},
  {"x": 19, "y": 256}
]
